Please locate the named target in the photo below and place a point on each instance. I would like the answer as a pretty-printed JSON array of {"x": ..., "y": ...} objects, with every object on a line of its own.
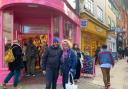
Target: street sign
[
  {"x": 83, "y": 23},
  {"x": 115, "y": 29}
]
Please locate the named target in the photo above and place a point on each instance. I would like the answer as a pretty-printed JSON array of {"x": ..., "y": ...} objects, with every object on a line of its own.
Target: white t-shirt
[{"x": 107, "y": 65}]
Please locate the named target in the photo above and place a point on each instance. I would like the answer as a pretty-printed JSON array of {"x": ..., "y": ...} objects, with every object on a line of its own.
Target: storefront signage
[
  {"x": 98, "y": 29},
  {"x": 83, "y": 23},
  {"x": 115, "y": 29}
]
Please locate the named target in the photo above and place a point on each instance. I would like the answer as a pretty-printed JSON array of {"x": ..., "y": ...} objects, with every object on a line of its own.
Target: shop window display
[
  {"x": 56, "y": 26},
  {"x": 69, "y": 31}
]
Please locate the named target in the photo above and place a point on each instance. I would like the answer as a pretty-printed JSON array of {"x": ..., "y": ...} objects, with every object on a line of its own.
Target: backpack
[{"x": 9, "y": 57}]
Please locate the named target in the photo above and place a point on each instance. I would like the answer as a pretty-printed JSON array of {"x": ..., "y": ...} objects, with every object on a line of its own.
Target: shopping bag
[
  {"x": 59, "y": 80},
  {"x": 70, "y": 85}
]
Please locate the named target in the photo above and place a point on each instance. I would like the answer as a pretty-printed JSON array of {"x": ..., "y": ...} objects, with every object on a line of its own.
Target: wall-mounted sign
[{"x": 83, "y": 23}]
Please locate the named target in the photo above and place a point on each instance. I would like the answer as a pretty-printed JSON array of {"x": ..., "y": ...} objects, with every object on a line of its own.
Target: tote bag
[{"x": 70, "y": 85}]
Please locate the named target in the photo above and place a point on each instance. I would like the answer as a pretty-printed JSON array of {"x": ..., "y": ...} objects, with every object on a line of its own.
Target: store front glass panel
[
  {"x": 6, "y": 32},
  {"x": 69, "y": 31}
]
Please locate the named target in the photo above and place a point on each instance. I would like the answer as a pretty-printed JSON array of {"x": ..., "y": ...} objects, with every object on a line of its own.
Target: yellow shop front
[{"x": 93, "y": 36}]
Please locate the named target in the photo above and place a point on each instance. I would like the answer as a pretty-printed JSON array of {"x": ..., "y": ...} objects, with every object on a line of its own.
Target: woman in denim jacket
[{"x": 68, "y": 62}]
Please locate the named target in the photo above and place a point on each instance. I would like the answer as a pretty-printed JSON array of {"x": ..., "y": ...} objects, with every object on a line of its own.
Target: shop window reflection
[
  {"x": 6, "y": 31},
  {"x": 56, "y": 26},
  {"x": 69, "y": 31}
]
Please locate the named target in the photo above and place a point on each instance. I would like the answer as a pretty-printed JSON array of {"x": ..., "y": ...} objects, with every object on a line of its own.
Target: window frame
[{"x": 100, "y": 13}]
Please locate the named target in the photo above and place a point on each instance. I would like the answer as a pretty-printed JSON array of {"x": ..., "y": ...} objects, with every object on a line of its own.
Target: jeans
[
  {"x": 51, "y": 78},
  {"x": 106, "y": 75},
  {"x": 16, "y": 74}
]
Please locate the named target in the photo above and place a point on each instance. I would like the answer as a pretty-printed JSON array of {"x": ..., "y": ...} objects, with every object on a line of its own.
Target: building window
[
  {"x": 109, "y": 5},
  {"x": 99, "y": 13},
  {"x": 89, "y": 5},
  {"x": 72, "y": 3},
  {"x": 112, "y": 24},
  {"x": 109, "y": 22}
]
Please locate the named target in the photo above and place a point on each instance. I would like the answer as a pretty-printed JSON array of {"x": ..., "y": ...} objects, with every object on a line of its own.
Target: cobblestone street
[{"x": 119, "y": 79}]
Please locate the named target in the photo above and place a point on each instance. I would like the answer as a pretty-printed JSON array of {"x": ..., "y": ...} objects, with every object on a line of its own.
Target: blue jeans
[{"x": 16, "y": 74}]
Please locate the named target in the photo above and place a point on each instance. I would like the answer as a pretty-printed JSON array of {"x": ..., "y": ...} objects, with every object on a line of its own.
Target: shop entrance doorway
[{"x": 40, "y": 38}]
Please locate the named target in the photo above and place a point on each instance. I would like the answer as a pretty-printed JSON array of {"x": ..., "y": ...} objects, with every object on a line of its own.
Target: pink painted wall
[{"x": 1, "y": 40}]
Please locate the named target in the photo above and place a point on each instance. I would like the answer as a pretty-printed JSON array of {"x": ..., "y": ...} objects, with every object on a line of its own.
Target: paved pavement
[{"x": 119, "y": 79}]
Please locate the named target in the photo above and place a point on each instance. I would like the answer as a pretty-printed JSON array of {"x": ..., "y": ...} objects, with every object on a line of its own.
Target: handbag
[{"x": 70, "y": 85}]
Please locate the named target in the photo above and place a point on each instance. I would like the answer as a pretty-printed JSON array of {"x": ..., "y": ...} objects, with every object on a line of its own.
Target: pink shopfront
[{"x": 22, "y": 19}]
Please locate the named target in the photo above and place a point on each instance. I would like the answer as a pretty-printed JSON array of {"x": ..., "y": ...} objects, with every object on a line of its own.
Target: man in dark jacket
[
  {"x": 51, "y": 63},
  {"x": 31, "y": 55},
  {"x": 14, "y": 66}
]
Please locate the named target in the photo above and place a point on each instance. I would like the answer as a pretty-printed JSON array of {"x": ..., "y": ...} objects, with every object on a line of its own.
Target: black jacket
[
  {"x": 52, "y": 58},
  {"x": 17, "y": 52},
  {"x": 126, "y": 51}
]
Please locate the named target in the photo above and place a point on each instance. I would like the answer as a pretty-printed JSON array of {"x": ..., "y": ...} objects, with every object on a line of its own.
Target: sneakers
[
  {"x": 27, "y": 75},
  {"x": 17, "y": 87},
  {"x": 33, "y": 75},
  {"x": 4, "y": 86},
  {"x": 109, "y": 84}
]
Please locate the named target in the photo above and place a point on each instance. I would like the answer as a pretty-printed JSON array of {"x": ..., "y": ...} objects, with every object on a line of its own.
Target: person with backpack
[
  {"x": 68, "y": 62},
  {"x": 106, "y": 62},
  {"x": 31, "y": 55},
  {"x": 15, "y": 66},
  {"x": 51, "y": 63}
]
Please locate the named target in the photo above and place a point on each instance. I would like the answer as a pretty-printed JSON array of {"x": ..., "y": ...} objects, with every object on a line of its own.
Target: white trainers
[{"x": 3, "y": 85}]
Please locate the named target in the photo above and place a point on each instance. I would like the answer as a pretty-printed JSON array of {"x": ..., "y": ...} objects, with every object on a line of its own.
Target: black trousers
[
  {"x": 78, "y": 70},
  {"x": 25, "y": 66},
  {"x": 51, "y": 78}
]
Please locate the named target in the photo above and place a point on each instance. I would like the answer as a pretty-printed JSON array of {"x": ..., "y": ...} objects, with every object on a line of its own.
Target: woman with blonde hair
[{"x": 68, "y": 61}]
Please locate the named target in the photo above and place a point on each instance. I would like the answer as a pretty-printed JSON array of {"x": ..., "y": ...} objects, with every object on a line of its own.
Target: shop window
[
  {"x": 69, "y": 31},
  {"x": 56, "y": 26},
  {"x": 6, "y": 31}
]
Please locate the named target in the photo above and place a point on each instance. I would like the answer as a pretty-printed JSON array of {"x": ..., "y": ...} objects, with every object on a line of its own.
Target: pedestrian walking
[
  {"x": 51, "y": 63},
  {"x": 106, "y": 62},
  {"x": 96, "y": 54},
  {"x": 79, "y": 63},
  {"x": 24, "y": 57},
  {"x": 68, "y": 62},
  {"x": 15, "y": 66},
  {"x": 31, "y": 55},
  {"x": 126, "y": 53}
]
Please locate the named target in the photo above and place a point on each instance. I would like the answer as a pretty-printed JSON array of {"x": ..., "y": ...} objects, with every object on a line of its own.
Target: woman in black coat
[{"x": 78, "y": 66}]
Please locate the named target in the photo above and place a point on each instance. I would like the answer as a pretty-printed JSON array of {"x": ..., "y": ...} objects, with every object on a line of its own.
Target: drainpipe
[{"x": 77, "y": 7}]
